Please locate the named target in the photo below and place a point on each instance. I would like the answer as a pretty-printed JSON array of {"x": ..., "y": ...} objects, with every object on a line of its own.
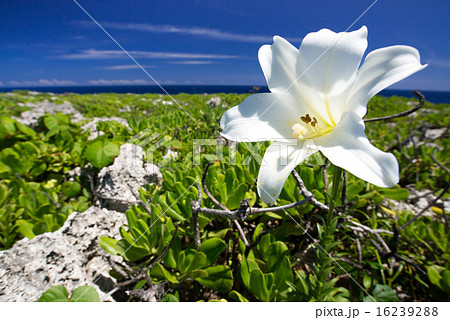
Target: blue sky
[{"x": 54, "y": 43}]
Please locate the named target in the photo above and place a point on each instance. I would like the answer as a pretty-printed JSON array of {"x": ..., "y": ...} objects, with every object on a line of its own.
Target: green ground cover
[{"x": 282, "y": 263}]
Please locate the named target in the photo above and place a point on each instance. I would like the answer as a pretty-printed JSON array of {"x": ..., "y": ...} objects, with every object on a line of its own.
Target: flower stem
[{"x": 324, "y": 268}]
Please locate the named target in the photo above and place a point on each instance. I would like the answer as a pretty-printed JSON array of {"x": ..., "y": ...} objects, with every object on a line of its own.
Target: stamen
[
  {"x": 306, "y": 119},
  {"x": 310, "y": 130}
]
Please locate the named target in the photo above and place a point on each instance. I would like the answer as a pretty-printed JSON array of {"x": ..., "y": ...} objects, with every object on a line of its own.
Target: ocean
[{"x": 431, "y": 96}]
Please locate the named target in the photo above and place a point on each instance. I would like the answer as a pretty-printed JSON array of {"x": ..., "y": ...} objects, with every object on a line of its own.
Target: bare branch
[
  {"x": 358, "y": 247},
  {"x": 367, "y": 229},
  {"x": 426, "y": 208},
  {"x": 197, "y": 209},
  {"x": 241, "y": 232},
  {"x": 307, "y": 194},
  {"x": 205, "y": 187},
  {"x": 51, "y": 199},
  {"x": 433, "y": 157},
  {"x": 195, "y": 205},
  {"x": 404, "y": 113},
  {"x": 236, "y": 214}
]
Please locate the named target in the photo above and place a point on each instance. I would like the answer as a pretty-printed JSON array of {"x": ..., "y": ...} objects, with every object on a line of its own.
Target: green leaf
[
  {"x": 170, "y": 298},
  {"x": 258, "y": 285},
  {"x": 130, "y": 252},
  {"x": 84, "y": 294},
  {"x": 158, "y": 271},
  {"x": 71, "y": 189},
  {"x": 7, "y": 127},
  {"x": 434, "y": 274},
  {"x": 308, "y": 178},
  {"x": 3, "y": 194},
  {"x": 25, "y": 129},
  {"x": 367, "y": 281},
  {"x": 169, "y": 210},
  {"x": 189, "y": 260},
  {"x": 25, "y": 228},
  {"x": 282, "y": 274},
  {"x": 13, "y": 161},
  {"x": 382, "y": 293},
  {"x": 275, "y": 253},
  {"x": 109, "y": 245},
  {"x": 220, "y": 278},
  {"x": 237, "y": 296},
  {"x": 101, "y": 153},
  {"x": 440, "y": 277},
  {"x": 265, "y": 243},
  {"x": 246, "y": 267},
  {"x": 234, "y": 201},
  {"x": 395, "y": 193},
  {"x": 197, "y": 273},
  {"x": 445, "y": 282},
  {"x": 55, "y": 294},
  {"x": 212, "y": 248}
]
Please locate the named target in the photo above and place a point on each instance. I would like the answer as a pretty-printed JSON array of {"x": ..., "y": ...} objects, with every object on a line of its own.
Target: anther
[{"x": 306, "y": 119}]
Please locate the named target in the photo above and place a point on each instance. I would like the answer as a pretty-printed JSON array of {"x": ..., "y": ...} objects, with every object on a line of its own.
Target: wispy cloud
[
  {"x": 209, "y": 33},
  {"x": 438, "y": 63},
  {"x": 126, "y": 67},
  {"x": 192, "y": 62},
  {"x": 42, "y": 83},
  {"x": 122, "y": 82},
  {"x": 119, "y": 54}
]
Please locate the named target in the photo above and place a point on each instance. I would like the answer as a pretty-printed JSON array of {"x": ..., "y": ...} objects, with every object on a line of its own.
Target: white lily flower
[{"x": 318, "y": 98}]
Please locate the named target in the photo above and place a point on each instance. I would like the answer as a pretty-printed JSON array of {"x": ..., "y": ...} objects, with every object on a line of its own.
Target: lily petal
[
  {"x": 327, "y": 65},
  {"x": 278, "y": 162},
  {"x": 382, "y": 68},
  {"x": 262, "y": 116},
  {"x": 278, "y": 64},
  {"x": 348, "y": 147}
]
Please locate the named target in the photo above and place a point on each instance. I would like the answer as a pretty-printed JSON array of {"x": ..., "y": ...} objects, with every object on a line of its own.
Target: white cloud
[
  {"x": 192, "y": 62},
  {"x": 119, "y": 54},
  {"x": 123, "y": 82},
  {"x": 210, "y": 33},
  {"x": 43, "y": 83}
]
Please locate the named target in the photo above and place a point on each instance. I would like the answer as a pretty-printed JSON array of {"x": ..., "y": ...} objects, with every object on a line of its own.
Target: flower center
[{"x": 309, "y": 128}]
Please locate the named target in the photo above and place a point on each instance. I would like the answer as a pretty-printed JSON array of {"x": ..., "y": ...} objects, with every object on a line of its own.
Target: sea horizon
[{"x": 434, "y": 96}]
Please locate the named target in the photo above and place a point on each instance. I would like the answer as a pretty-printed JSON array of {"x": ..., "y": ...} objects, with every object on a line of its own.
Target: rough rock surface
[
  {"x": 214, "y": 102},
  {"x": 70, "y": 256},
  {"x": 417, "y": 201},
  {"x": 91, "y": 126},
  {"x": 30, "y": 117},
  {"x": 123, "y": 178}
]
